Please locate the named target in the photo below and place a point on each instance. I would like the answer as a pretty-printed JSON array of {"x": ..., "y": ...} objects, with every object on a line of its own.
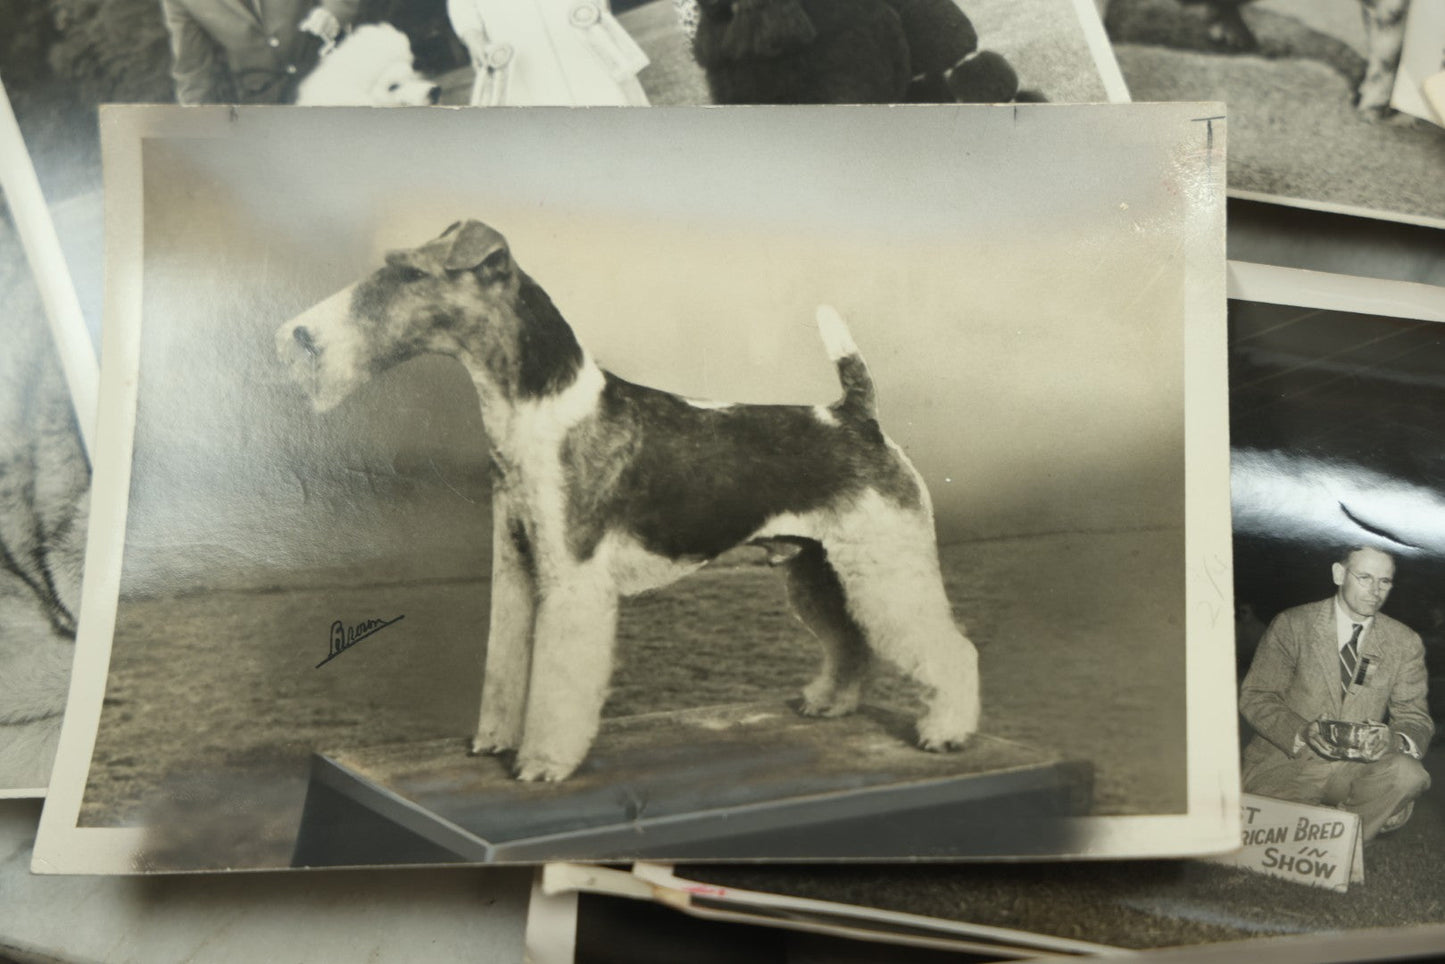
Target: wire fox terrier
[{"x": 602, "y": 489}]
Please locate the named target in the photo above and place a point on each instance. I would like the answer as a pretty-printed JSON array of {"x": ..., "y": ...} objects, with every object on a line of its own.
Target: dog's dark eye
[
  {"x": 406, "y": 274},
  {"x": 394, "y": 88}
]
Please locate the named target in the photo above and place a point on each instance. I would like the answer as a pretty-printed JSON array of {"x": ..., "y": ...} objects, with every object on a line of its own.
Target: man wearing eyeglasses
[{"x": 1341, "y": 660}]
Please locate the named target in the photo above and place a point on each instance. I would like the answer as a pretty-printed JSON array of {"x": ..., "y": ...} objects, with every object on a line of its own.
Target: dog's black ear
[
  {"x": 767, "y": 28},
  {"x": 465, "y": 246},
  {"x": 474, "y": 245}
]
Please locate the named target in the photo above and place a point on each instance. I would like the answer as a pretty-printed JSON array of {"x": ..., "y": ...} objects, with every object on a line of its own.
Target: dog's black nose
[
  {"x": 434, "y": 95},
  {"x": 304, "y": 339}
]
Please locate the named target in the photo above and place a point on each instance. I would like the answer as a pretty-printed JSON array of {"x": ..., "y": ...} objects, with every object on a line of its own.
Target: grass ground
[
  {"x": 1293, "y": 130},
  {"x": 214, "y": 704},
  {"x": 1044, "y": 42}
]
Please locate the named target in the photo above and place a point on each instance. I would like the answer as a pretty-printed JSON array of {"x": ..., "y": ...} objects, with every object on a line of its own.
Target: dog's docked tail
[{"x": 857, "y": 401}]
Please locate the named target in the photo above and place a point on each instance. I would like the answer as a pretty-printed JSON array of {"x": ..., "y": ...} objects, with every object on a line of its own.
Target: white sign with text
[{"x": 1318, "y": 846}]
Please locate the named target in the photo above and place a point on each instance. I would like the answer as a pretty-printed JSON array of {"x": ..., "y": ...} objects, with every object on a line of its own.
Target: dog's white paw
[
  {"x": 541, "y": 770},
  {"x": 943, "y": 736},
  {"x": 492, "y": 739},
  {"x": 486, "y": 746}
]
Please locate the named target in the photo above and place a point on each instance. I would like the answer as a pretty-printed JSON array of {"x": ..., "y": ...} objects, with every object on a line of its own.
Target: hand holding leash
[
  {"x": 322, "y": 23},
  {"x": 493, "y": 70},
  {"x": 491, "y": 59}
]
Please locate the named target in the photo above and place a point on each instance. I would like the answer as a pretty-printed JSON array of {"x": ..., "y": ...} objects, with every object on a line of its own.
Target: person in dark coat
[{"x": 249, "y": 51}]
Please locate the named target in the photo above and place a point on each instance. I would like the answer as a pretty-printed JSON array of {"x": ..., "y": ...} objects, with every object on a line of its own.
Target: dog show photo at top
[{"x": 577, "y": 52}]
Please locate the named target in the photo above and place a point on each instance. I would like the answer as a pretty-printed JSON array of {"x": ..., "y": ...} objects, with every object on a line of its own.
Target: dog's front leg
[
  {"x": 571, "y": 667},
  {"x": 509, "y": 636}
]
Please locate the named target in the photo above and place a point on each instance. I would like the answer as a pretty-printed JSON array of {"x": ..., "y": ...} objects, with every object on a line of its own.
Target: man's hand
[
  {"x": 1376, "y": 742},
  {"x": 322, "y": 23},
  {"x": 1314, "y": 738}
]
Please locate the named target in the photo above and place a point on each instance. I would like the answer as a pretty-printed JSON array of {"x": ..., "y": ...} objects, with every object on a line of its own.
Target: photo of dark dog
[{"x": 847, "y": 51}]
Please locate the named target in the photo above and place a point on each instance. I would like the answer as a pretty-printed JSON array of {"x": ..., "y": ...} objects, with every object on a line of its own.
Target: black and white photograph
[
  {"x": 462, "y": 508},
  {"x": 1337, "y": 389},
  {"x": 1422, "y": 61},
  {"x": 60, "y": 59},
  {"x": 44, "y": 493},
  {"x": 1308, "y": 84}
]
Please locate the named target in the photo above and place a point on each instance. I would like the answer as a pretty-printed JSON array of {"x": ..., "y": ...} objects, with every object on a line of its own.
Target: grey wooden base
[{"x": 745, "y": 782}]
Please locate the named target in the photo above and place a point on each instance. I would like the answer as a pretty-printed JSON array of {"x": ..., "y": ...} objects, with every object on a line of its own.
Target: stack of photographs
[{"x": 853, "y": 501}]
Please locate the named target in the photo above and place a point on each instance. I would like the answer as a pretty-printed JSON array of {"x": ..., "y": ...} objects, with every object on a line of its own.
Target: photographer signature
[{"x": 344, "y": 637}]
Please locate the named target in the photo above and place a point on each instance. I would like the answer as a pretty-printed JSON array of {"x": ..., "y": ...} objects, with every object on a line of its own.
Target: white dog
[{"x": 370, "y": 68}]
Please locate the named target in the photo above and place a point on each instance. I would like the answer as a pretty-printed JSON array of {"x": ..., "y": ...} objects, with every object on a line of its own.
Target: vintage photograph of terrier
[
  {"x": 582, "y": 511},
  {"x": 44, "y": 493},
  {"x": 603, "y": 489},
  {"x": 1308, "y": 84},
  {"x": 1339, "y": 556}
]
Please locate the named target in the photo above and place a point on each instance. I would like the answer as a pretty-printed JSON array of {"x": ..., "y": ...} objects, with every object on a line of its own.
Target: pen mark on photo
[{"x": 343, "y": 637}]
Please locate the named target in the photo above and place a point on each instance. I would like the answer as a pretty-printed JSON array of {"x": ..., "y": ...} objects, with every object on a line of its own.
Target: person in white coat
[{"x": 548, "y": 52}]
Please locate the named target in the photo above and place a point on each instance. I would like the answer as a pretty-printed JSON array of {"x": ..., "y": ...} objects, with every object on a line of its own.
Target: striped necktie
[{"x": 1350, "y": 658}]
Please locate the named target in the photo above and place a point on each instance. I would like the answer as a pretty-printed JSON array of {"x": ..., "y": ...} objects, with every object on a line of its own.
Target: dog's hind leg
[
  {"x": 509, "y": 636},
  {"x": 571, "y": 667},
  {"x": 817, "y": 598},
  {"x": 1385, "y": 38},
  {"x": 887, "y": 565}
]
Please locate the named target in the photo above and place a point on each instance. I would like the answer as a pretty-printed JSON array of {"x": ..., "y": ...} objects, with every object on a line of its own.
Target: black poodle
[{"x": 847, "y": 51}]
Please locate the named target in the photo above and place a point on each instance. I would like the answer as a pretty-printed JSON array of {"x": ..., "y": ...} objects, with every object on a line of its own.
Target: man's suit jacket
[
  {"x": 246, "y": 51},
  {"x": 1295, "y": 678}
]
